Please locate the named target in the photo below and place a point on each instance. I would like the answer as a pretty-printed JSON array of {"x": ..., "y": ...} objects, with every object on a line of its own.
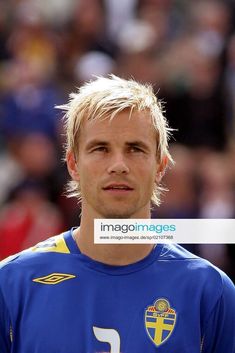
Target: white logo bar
[{"x": 151, "y": 231}]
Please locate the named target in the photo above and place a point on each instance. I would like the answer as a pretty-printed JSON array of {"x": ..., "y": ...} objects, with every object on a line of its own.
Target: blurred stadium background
[{"x": 185, "y": 48}]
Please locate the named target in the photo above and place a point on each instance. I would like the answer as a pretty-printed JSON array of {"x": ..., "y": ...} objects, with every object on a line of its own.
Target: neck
[{"x": 111, "y": 254}]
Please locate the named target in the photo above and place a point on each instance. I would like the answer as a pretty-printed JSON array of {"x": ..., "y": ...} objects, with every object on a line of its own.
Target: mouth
[{"x": 118, "y": 188}]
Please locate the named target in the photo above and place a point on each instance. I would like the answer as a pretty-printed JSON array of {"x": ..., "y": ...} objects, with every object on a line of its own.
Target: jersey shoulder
[
  {"x": 197, "y": 269},
  {"x": 176, "y": 252},
  {"x": 55, "y": 244}
]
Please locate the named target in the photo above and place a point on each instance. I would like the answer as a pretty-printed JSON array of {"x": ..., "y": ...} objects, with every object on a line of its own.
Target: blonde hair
[{"x": 104, "y": 98}]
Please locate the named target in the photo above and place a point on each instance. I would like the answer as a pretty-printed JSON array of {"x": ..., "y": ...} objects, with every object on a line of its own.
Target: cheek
[
  {"x": 148, "y": 170},
  {"x": 89, "y": 175},
  {"x": 87, "y": 169}
]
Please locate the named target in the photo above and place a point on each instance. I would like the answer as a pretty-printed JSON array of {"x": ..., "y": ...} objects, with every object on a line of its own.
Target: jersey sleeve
[
  {"x": 219, "y": 335},
  {"x": 5, "y": 327}
]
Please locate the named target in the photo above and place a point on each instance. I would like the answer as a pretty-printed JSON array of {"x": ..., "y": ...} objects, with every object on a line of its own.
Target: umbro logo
[{"x": 54, "y": 278}]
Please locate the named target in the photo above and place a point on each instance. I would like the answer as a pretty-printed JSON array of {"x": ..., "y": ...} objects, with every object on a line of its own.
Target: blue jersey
[{"x": 53, "y": 299}]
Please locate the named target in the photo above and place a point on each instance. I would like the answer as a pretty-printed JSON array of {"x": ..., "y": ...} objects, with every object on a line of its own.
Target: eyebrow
[
  {"x": 94, "y": 143},
  {"x": 97, "y": 142}
]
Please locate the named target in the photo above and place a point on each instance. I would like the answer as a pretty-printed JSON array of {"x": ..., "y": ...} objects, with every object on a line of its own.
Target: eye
[
  {"x": 100, "y": 149},
  {"x": 136, "y": 149}
]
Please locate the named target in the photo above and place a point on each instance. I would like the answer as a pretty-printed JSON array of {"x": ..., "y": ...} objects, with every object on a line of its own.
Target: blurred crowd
[{"x": 185, "y": 48}]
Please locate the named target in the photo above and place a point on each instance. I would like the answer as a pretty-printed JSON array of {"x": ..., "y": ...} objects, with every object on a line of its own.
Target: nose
[{"x": 118, "y": 165}]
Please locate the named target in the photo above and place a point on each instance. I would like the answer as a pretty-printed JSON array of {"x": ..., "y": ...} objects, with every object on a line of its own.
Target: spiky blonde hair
[{"x": 104, "y": 98}]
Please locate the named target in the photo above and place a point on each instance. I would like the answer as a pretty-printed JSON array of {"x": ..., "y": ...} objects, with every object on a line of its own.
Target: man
[{"x": 69, "y": 295}]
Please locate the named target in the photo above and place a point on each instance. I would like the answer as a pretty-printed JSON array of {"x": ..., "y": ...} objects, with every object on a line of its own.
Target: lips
[{"x": 117, "y": 187}]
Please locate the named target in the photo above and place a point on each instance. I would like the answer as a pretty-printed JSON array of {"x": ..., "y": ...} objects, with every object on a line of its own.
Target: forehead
[{"x": 137, "y": 124}]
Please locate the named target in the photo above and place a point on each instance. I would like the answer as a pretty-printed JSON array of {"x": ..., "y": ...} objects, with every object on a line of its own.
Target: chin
[
  {"x": 117, "y": 214},
  {"x": 124, "y": 212}
]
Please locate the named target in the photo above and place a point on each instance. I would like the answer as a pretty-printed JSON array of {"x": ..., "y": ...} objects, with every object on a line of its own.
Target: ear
[
  {"x": 72, "y": 166},
  {"x": 161, "y": 169}
]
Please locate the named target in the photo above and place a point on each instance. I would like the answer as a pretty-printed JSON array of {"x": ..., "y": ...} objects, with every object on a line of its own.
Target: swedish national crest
[{"x": 160, "y": 321}]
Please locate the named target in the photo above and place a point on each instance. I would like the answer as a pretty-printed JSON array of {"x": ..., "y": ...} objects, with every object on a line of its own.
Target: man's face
[{"x": 116, "y": 166}]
